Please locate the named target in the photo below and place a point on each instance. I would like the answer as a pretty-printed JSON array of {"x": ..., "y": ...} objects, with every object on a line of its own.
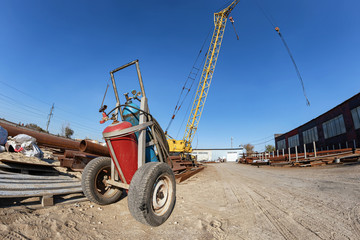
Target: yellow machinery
[{"x": 220, "y": 19}]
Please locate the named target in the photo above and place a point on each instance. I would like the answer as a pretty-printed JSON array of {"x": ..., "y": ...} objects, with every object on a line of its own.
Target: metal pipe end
[{"x": 83, "y": 145}]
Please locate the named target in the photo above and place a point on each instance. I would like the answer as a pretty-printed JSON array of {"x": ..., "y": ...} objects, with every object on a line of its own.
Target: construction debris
[
  {"x": 59, "y": 146},
  {"x": 183, "y": 169},
  {"x": 75, "y": 160},
  {"x": 24, "y": 144}
]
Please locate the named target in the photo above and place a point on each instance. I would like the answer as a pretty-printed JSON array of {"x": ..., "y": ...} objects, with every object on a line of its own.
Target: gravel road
[{"x": 225, "y": 201}]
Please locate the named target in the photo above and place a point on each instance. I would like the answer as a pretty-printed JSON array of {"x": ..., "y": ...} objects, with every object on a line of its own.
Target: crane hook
[{"x": 232, "y": 22}]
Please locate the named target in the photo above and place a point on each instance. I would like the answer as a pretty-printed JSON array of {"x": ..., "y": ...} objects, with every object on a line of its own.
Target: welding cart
[{"x": 138, "y": 164}]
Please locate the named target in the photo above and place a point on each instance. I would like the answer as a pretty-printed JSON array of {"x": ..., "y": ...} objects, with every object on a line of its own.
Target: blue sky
[{"x": 61, "y": 52}]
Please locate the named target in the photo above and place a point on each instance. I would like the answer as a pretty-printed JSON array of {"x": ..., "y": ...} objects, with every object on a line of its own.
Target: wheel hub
[{"x": 160, "y": 194}]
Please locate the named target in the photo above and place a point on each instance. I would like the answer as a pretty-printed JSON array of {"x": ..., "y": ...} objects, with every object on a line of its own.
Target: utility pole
[
  {"x": 50, "y": 115},
  {"x": 231, "y": 142}
]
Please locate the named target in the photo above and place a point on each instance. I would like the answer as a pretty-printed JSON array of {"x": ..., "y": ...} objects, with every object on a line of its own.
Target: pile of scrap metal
[
  {"x": 183, "y": 169},
  {"x": 28, "y": 177},
  {"x": 320, "y": 158},
  {"x": 247, "y": 160},
  {"x": 71, "y": 154},
  {"x": 77, "y": 159}
]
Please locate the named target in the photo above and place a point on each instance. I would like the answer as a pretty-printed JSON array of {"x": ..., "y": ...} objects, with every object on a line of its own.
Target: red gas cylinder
[{"x": 125, "y": 150}]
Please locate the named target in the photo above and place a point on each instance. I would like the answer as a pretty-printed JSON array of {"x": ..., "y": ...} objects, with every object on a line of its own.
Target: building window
[
  {"x": 281, "y": 144},
  {"x": 356, "y": 117},
  {"x": 334, "y": 127},
  {"x": 293, "y": 141},
  {"x": 310, "y": 135}
]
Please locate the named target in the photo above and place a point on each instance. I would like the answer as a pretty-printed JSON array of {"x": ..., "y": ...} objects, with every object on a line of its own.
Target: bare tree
[
  {"x": 66, "y": 131},
  {"x": 269, "y": 148},
  {"x": 249, "y": 148}
]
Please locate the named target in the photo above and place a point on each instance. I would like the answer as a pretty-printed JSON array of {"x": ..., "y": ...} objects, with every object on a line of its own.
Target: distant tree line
[
  {"x": 35, "y": 127},
  {"x": 250, "y": 148},
  {"x": 66, "y": 131}
]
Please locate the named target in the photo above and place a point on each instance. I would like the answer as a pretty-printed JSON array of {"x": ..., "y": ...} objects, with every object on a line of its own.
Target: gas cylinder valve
[{"x": 135, "y": 96}]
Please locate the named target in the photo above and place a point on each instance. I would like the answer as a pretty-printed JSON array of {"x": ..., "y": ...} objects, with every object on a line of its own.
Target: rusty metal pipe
[
  {"x": 72, "y": 154},
  {"x": 42, "y": 139},
  {"x": 93, "y": 148}
]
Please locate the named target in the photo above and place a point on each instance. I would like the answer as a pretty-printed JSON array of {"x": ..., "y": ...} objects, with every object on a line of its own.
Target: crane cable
[
  {"x": 191, "y": 100},
  {"x": 232, "y": 23},
  {"x": 192, "y": 76},
  {"x": 277, "y": 29}
]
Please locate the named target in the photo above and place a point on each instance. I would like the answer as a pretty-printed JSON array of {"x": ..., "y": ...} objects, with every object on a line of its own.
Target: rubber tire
[
  {"x": 141, "y": 190},
  {"x": 88, "y": 182}
]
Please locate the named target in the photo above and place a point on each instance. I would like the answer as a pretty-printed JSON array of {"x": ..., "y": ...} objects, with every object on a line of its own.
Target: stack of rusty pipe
[
  {"x": 42, "y": 139},
  {"x": 72, "y": 154},
  {"x": 77, "y": 160}
]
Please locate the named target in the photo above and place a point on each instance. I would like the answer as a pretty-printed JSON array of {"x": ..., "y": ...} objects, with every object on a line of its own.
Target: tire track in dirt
[
  {"x": 286, "y": 213},
  {"x": 281, "y": 228},
  {"x": 279, "y": 218},
  {"x": 314, "y": 215},
  {"x": 355, "y": 220},
  {"x": 272, "y": 213},
  {"x": 321, "y": 212},
  {"x": 11, "y": 235},
  {"x": 29, "y": 224},
  {"x": 319, "y": 216}
]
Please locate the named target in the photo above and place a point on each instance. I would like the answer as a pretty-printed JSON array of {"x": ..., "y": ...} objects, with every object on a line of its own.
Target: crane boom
[{"x": 220, "y": 19}]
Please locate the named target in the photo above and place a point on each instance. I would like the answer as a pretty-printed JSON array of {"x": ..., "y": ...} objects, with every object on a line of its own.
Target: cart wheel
[
  {"x": 94, "y": 184},
  {"x": 152, "y": 193}
]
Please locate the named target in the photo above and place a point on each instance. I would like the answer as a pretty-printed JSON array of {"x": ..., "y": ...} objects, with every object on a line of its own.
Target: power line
[
  {"x": 79, "y": 125},
  {"x": 23, "y": 107},
  {"x": 42, "y": 114},
  {"x": 14, "y": 111},
  {"x": 261, "y": 139},
  {"x": 37, "y": 99},
  {"x": 14, "y": 101},
  {"x": 10, "y": 86},
  {"x": 264, "y": 142}
]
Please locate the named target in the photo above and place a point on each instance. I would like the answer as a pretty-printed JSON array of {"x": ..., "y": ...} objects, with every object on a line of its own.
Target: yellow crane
[{"x": 220, "y": 19}]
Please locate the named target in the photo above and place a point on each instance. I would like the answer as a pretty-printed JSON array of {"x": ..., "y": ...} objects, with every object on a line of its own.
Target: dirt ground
[{"x": 225, "y": 201}]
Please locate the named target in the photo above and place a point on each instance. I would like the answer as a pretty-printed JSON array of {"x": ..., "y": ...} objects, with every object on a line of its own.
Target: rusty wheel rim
[{"x": 102, "y": 187}]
